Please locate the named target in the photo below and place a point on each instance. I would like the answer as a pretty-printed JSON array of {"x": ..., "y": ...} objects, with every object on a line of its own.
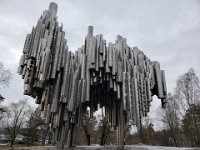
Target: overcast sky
[{"x": 165, "y": 30}]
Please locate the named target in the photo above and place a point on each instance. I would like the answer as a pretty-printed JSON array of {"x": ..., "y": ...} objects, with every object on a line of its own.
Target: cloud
[{"x": 167, "y": 31}]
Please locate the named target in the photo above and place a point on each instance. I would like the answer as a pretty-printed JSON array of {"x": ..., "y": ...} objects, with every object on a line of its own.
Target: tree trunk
[
  {"x": 88, "y": 139},
  {"x": 11, "y": 143},
  {"x": 102, "y": 142}
]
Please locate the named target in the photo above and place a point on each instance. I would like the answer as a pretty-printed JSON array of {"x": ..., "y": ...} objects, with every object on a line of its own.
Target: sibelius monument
[{"x": 115, "y": 76}]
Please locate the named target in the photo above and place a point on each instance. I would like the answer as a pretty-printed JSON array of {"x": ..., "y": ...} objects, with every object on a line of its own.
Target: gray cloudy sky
[{"x": 166, "y": 30}]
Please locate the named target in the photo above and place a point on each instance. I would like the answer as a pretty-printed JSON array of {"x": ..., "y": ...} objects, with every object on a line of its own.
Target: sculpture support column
[{"x": 120, "y": 128}]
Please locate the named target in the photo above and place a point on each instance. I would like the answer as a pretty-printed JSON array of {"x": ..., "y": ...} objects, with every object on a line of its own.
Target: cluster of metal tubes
[{"x": 113, "y": 76}]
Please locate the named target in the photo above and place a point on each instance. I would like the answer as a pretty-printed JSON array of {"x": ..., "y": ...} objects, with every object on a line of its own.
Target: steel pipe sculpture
[{"x": 114, "y": 76}]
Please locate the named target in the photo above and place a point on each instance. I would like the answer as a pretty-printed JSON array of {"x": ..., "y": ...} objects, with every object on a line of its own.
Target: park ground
[{"x": 97, "y": 147}]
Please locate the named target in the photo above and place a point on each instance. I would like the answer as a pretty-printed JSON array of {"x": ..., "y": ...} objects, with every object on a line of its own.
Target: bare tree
[
  {"x": 15, "y": 117},
  {"x": 88, "y": 125},
  {"x": 2, "y": 108},
  {"x": 187, "y": 90},
  {"x": 104, "y": 129},
  {"x": 5, "y": 75},
  {"x": 45, "y": 130},
  {"x": 147, "y": 132},
  {"x": 180, "y": 107},
  {"x": 188, "y": 94},
  {"x": 34, "y": 127},
  {"x": 171, "y": 119}
]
